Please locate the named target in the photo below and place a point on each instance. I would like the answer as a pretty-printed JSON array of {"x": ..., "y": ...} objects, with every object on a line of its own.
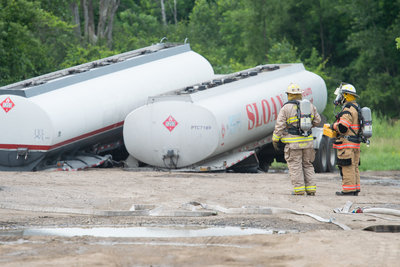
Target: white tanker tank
[
  {"x": 211, "y": 127},
  {"x": 51, "y": 119}
]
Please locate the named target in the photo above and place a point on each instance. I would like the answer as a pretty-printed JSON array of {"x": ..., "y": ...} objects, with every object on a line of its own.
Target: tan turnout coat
[{"x": 288, "y": 116}]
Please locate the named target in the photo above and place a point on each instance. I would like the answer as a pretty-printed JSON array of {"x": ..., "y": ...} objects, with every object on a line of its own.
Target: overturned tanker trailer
[
  {"x": 224, "y": 124},
  {"x": 71, "y": 119}
]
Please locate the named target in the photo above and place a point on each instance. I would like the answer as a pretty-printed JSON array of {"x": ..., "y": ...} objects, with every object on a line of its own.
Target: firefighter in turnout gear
[
  {"x": 347, "y": 143},
  {"x": 299, "y": 149}
]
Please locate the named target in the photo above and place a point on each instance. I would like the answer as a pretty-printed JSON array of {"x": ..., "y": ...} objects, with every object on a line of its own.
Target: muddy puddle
[{"x": 142, "y": 232}]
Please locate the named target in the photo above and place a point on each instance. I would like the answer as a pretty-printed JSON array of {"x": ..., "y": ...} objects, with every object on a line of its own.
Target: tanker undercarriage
[{"x": 243, "y": 160}]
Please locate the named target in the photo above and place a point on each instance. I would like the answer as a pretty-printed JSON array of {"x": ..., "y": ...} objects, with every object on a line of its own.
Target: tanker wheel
[
  {"x": 331, "y": 155},
  {"x": 320, "y": 163},
  {"x": 264, "y": 164}
]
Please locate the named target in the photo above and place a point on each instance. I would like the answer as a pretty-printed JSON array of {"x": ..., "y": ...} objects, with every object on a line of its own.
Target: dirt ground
[{"x": 312, "y": 243}]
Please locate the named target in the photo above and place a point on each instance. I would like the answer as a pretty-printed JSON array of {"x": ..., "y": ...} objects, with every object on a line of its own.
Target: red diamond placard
[
  {"x": 7, "y": 104},
  {"x": 170, "y": 123}
]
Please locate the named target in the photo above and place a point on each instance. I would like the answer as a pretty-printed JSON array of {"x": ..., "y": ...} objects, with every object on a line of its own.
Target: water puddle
[{"x": 140, "y": 232}]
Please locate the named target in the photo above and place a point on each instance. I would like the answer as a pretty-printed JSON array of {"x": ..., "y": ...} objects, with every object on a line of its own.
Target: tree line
[{"x": 350, "y": 41}]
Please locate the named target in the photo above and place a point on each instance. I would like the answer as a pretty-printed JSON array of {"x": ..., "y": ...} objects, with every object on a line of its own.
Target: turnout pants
[
  {"x": 349, "y": 169},
  {"x": 301, "y": 170}
]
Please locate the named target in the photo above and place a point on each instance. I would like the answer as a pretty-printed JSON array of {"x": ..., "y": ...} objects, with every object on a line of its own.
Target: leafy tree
[
  {"x": 283, "y": 53},
  {"x": 136, "y": 30},
  {"x": 310, "y": 24},
  {"x": 204, "y": 34},
  {"x": 77, "y": 55},
  {"x": 58, "y": 8},
  {"x": 217, "y": 31},
  {"x": 174, "y": 10},
  {"x": 375, "y": 71},
  {"x": 316, "y": 64},
  {"x": 261, "y": 17},
  {"x": 344, "y": 40},
  {"x": 29, "y": 40}
]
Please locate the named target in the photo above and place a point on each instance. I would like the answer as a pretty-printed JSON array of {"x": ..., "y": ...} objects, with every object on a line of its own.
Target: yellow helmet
[
  {"x": 294, "y": 89},
  {"x": 349, "y": 89}
]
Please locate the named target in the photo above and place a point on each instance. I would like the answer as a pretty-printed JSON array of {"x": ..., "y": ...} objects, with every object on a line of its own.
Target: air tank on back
[
  {"x": 83, "y": 107},
  {"x": 305, "y": 116},
  {"x": 181, "y": 129},
  {"x": 367, "y": 122}
]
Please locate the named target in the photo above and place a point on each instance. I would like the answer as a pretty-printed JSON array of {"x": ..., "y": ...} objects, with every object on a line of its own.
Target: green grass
[
  {"x": 383, "y": 153},
  {"x": 278, "y": 165}
]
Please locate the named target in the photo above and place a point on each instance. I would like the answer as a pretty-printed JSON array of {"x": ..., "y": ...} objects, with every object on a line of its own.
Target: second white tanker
[{"x": 217, "y": 124}]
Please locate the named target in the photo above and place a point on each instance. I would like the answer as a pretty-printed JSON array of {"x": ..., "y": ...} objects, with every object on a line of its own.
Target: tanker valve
[
  {"x": 22, "y": 152},
  {"x": 171, "y": 154}
]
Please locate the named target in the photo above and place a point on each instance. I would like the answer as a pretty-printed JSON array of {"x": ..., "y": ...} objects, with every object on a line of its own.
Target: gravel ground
[{"x": 302, "y": 240}]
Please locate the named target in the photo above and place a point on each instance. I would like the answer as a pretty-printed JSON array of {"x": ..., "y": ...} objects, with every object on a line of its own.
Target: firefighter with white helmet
[
  {"x": 299, "y": 149},
  {"x": 347, "y": 143}
]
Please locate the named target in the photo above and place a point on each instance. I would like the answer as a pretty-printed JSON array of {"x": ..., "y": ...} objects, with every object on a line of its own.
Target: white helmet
[
  {"x": 293, "y": 89},
  {"x": 349, "y": 89},
  {"x": 346, "y": 89}
]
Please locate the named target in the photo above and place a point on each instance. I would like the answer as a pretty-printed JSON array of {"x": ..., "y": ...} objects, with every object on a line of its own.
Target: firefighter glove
[{"x": 275, "y": 144}]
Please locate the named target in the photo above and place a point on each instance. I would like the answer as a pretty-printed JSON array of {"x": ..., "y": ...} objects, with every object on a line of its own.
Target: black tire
[
  {"x": 264, "y": 164},
  {"x": 320, "y": 161},
  {"x": 330, "y": 155}
]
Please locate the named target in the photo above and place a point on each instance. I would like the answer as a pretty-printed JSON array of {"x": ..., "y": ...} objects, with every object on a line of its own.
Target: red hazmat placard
[
  {"x": 170, "y": 123},
  {"x": 7, "y": 104}
]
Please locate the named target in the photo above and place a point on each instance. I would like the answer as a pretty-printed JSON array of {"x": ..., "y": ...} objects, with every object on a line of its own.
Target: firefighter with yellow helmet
[
  {"x": 293, "y": 127},
  {"x": 347, "y": 143}
]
